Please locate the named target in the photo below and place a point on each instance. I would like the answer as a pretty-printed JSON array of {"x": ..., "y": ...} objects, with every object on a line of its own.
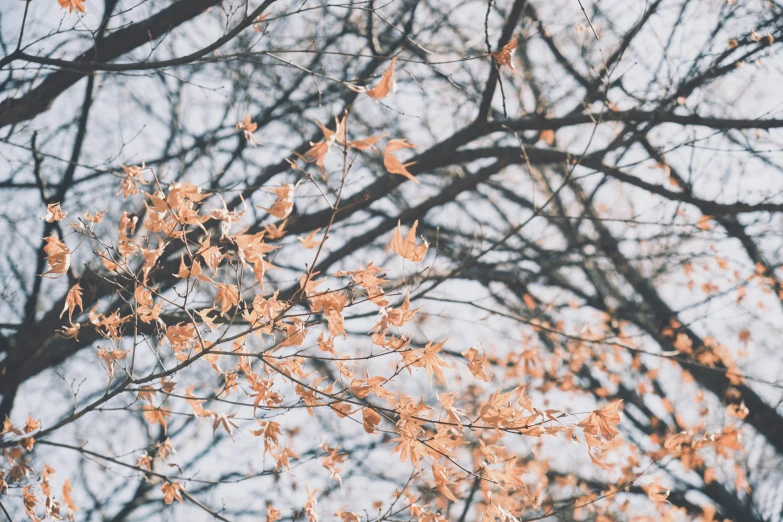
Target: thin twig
[{"x": 588, "y": 20}]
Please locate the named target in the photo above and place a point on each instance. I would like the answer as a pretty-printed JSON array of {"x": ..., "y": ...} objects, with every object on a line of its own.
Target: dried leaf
[
  {"x": 54, "y": 213},
  {"x": 384, "y": 87},
  {"x": 247, "y": 128},
  {"x": 371, "y": 419},
  {"x": 284, "y": 204},
  {"x": 407, "y": 247},
  {"x": 58, "y": 256},
  {"x": 392, "y": 164},
  {"x": 504, "y": 55},
  {"x": 73, "y": 5},
  {"x": 73, "y": 299}
]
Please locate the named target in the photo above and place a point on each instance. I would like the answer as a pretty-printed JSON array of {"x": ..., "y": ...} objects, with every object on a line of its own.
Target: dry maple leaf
[
  {"x": 165, "y": 449},
  {"x": 284, "y": 203},
  {"x": 222, "y": 419},
  {"x": 72, "y": 300},
  {"x": 247, "y": 128},
  {"x": 133, "y": 176},
  {"x": 309, "y": 240},
  {"x": 392, "y": 164},
  {"x": 602, "y": 422},
  {"x": 366, "y": 143},
  {"x": 656, "y": 492},
  {"x": 106, "y": 259},
  {"x": 58, "y": 256},
  {"x": 429, "y": 360},
  {"x": 282, "y": 459},
  {"x": 67, "y": 496},
  {"x": 144, "y": 461},
  {"x": 270, "y": 431},
  {"x": 476, "y": 363},
  {"x": 73, "y": 5},
  {"x": 54, "y": 213},
  {"x": 155, "y": 415},
  {"x": 29, "y": 500},
  {"x": 399, "y": 316},
  {"x": 362, "y": 388},
  {"x": 32, "y": 424},
  {"x": 504, "y": 55},
  {"x": 317, "y": 152},
  {"x": 407, "y": 247},
  {"x": 309, "y": 507},
  {"x": 371, "y": 419},
  {"x": 337, "y": 135},
  {"x": 95, "y": 218},
  {"x": 442, "y": 481},
  {"x": 410, "y": 447},
  {"x": 447, "y": 401},
  {"x": 70, "y": 332},
  {"x": 348, "y": 516},
  {"x": 275, "y": 231},
  {"x": 110, "y": 357},
  {"x": 384, "y": 87},
  {"x": 8, "y": 427},
  {"x": 272, "y": 515},
  {"x": 171, "y": 492},
  {"x": 228, "y": 296},
  {"x": 332, "y": 462},
  {"x": 195, "y": 403}
]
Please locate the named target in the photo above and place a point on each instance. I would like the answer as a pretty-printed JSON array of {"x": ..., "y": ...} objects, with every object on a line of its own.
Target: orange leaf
[
  {"x": 284, "y": 204},
  {"x": 58, "y": 256},
  {"x": 73, "y": 5},
  {"x": 385, "y": 86},
  {"x": 503, "y": 55},
  {"x": 72, "y": 300},
  {"x": 371, "y": 419},
  {"x": 407, "y": 247},
  {"x": 54, "y": 213},
  {"x": 392, "y": 164}
]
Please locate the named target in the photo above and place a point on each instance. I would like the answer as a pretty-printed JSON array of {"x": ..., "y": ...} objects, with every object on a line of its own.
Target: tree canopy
[{"x": 428, "y": 260}]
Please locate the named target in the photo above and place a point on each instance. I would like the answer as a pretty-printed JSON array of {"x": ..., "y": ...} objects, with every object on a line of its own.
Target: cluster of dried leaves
[{"x": 253, "y": 337}]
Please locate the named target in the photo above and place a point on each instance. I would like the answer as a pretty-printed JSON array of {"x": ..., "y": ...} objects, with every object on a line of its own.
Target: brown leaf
[
  {"x": 503, "y": 55},
  {"x": 385, "y": 86},
  {"x": 54, "y": 213},
  {"x": 228, "y": 296},
  {"x": 73, "y": 5},
  {"x": 58, "y": 256},
  {"x": 171, "y": 492},
  {"x": 602, "y": 422},
  {"x": 407, "y": 247},
  {"x": 67, "y": 496},
  {"x": 195, "y": 403},
  {"x": 247, "y": 128},
  {"x": 72, "y": 300},
  {"x": 656, "y": 492},
  {"x": 392, "y": 164},
  {"x": 155, "y": 416},
  {"x": 272, "y": 515},
  {"x": 371, "y": 419},
  {"x": 95, "y": 218},
  {"x": 309, "y": 240},
  {"x": 284, "y": 204}
]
